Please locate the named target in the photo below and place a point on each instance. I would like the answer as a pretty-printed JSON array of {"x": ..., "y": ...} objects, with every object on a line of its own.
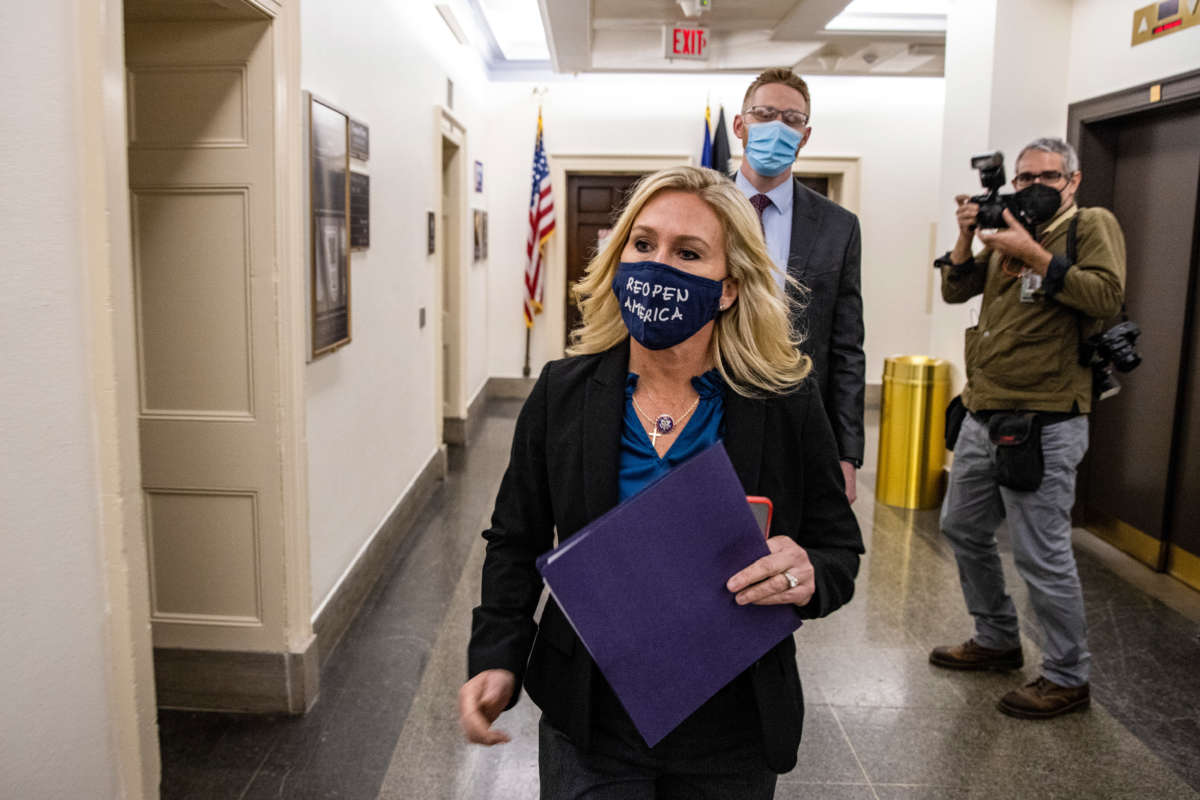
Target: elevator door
[{"x": 1142, "y": 468}]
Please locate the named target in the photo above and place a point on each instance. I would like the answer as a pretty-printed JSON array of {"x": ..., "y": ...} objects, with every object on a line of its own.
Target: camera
[
  {"x": 1031, "y": 206},
  {"x": 1112, "y": 348}
]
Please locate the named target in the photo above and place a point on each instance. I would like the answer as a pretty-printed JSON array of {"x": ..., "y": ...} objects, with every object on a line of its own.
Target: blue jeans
[
  {"x": 1040, "y": 524},
  {"x": 615, "y": 770}
]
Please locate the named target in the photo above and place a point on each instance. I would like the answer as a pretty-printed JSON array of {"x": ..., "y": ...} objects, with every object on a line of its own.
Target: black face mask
[{"x": 1034, "y": 205}]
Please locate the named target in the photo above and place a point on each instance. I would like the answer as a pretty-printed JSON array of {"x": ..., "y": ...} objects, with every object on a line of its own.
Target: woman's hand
[
  {"x": 764, "y": 583},
  {"x": 480, "y": 701}
]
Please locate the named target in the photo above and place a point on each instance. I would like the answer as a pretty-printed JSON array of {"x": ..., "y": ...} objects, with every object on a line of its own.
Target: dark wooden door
[
  {"x": 1143, "y": 467},
  {"x": 593, "y": 202}
]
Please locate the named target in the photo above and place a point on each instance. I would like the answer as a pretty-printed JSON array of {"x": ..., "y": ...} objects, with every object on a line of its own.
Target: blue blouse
[{"x": 640, "y": 464}]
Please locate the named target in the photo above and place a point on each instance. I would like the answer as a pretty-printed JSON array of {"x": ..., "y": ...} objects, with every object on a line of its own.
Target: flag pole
[
  {"x": 539, "y": 92},
  {"x": 528, "y": 327},
  {"x": 525, "y": 369}
]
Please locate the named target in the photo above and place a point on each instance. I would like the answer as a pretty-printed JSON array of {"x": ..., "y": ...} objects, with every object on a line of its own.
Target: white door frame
[
  {"x": 105, "y": 214},
  {"x": 451, "y": 256},
  {"x": 104, "y": 207},
  {"x": 843, "y": 173}
]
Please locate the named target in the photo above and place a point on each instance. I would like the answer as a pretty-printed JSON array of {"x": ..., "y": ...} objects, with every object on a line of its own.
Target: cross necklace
[{"x": 663, "y": 424}]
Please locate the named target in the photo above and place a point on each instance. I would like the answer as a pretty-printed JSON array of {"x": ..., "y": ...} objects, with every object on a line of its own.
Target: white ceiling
[{"x": 883, "y": 37}]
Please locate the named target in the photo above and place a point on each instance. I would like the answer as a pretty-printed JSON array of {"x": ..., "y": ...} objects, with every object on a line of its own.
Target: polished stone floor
[{"x": 881, "y": 722}]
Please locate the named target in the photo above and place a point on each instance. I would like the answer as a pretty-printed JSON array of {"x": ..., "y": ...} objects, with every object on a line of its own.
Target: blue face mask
[
  {"x": 663, "y": 306},
  {"x": 771, "y": 147}
]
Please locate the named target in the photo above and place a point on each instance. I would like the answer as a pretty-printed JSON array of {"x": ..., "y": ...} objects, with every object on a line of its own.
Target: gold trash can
[{"x": 912, "y": 447}]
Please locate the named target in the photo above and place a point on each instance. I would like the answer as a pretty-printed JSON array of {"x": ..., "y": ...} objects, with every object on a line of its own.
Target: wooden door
[
  {"x": 593, "y": 202},
  {"x": 201, "y": 161}
]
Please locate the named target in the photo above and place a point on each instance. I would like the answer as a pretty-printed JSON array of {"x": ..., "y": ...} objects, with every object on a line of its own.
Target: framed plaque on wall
[
  {"x": 360, "y": 210},
  {"x": 329, "y": 220},
  {"x": 360, "y": 140}
]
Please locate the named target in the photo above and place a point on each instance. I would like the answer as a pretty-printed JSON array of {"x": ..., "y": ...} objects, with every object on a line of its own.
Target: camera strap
[
  {"x": 1072, "y": 232},
  {"x": 1073, "y": 254}
]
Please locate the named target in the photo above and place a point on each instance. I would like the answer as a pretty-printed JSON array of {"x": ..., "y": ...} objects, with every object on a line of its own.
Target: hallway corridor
[{"x": 881, "y": 722}]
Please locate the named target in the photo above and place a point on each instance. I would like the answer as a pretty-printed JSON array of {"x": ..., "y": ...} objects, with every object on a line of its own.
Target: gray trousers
[{"x": 1040, "y": 524}]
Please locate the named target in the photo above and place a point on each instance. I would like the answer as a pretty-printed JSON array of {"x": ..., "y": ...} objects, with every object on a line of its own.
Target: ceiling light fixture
[
  {"x": 516, "y": 26},
  {"x": 914, "y": 16},
  {"x": 694, "y": 8}
]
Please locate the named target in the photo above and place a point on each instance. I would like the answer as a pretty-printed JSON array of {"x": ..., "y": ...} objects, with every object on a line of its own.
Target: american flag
[{"x": 541, "y": 225}]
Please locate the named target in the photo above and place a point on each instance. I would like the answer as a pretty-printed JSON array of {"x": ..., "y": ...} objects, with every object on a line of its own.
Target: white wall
[
  {"x": 1102, "y": 59},
  {"x": 56, "y": 737},
  {"x": 893, "y": 124},
  {"x": 372, "y": 419}
]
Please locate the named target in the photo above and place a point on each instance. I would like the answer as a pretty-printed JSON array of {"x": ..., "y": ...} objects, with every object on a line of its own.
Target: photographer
[{"x": 1028, "y": 394}]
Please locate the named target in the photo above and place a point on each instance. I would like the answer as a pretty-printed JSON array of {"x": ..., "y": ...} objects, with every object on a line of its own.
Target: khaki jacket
[{"x": 1025, "y": 356}]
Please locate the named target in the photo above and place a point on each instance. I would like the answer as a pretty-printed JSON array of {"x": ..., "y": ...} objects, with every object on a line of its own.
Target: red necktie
[{"x": 760, "y": 203}]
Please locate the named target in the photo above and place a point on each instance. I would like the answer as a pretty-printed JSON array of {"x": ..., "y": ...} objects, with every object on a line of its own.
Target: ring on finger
[{"x": 793, "y": 582}]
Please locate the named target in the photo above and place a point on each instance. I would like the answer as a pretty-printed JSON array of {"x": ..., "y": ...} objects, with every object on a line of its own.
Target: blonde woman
[{"x": 684, "y": 341}]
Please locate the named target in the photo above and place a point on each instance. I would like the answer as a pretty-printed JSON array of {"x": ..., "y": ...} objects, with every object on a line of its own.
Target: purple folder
[{"x": 644, "y": 587}]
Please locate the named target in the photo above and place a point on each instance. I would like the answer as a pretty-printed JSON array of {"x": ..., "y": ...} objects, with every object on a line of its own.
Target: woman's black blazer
[{"x": 562, "y": 474}]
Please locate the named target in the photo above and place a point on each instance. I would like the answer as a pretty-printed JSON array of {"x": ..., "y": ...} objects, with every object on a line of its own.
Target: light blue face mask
[{"x": 771, "y": 147}]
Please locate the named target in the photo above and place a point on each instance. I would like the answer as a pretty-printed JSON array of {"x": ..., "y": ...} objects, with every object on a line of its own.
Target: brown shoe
[
  {"x": 1044, "y": 699},
  {"x": 970, "y": 655}
]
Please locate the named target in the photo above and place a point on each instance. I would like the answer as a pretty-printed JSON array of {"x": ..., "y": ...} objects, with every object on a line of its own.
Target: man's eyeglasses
[
  {"x": 791, "y": 116},
  {"x": 1026, "y": 178}
]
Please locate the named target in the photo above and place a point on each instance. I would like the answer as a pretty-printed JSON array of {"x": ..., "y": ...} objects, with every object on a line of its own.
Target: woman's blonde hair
[{"x": 753, "y": 345}]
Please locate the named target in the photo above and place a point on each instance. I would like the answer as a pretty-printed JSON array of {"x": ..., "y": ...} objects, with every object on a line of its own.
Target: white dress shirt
[{"x": 777, "y": 221}]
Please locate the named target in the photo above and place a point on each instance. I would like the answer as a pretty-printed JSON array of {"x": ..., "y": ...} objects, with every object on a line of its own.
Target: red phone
[{"x": 762, "y": 508}]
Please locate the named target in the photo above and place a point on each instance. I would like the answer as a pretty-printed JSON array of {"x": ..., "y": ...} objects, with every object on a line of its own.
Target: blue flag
[
  {"x": 706, "y": 150},
  {"x": 719, "y": 154}
]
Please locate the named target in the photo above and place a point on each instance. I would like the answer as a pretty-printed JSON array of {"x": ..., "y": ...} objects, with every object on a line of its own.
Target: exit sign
[{"x": 685, "y": 42}]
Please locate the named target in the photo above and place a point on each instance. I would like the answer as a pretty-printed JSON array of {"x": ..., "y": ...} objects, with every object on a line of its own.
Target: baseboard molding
[
  {"x": 339, "y": 610},
  {"x": 226, "y": 680},
  {"x": 509, "y": 388},
  {"x": 1123, "y": 536},
  {"x": 461, "y": 430},
  {"x": 1181, "y": 564},
  {"x": 454, "y": 430},
  {"x": 1184, "y": 566},
  {"x": 268, "y": 682},
  {"x": 476, "y": 413}
]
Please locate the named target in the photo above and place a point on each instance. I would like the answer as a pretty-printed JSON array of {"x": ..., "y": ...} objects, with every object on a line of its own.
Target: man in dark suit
[{"x": 813, "y": 240}]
